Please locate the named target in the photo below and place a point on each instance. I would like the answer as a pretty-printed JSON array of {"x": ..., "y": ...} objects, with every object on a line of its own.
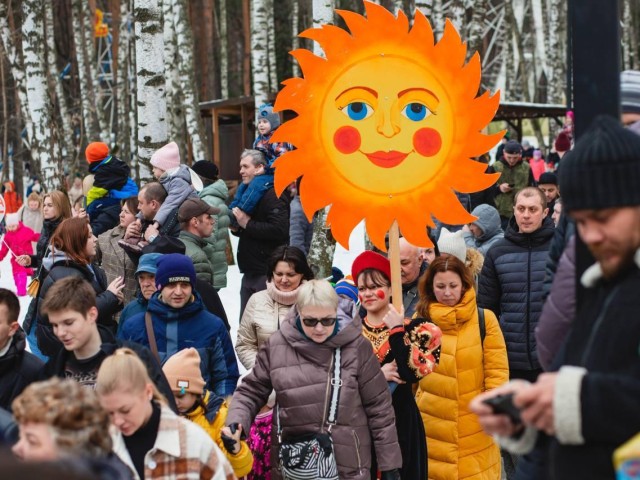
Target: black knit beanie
[{"x": 603, "y": 169}]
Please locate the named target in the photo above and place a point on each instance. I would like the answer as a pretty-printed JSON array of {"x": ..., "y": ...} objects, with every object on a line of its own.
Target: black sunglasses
[{"x": 312, "y": 322}]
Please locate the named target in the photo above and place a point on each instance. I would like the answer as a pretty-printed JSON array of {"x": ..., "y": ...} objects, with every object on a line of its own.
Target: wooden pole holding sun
[{"x": 387, "y": 126}]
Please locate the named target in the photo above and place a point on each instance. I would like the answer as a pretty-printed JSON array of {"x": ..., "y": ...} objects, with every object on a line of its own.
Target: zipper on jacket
[
  {"x": 326, "y": 394},
  {"x": 356, "y": 440},
  {"x": 528, "y": 314}
]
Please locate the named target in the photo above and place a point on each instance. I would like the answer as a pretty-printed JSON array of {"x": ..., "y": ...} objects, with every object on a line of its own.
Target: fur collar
[{"x": 593, "y": 274}]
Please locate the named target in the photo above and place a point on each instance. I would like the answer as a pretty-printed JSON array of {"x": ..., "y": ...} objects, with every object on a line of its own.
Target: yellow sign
[{"x": 386, "y": 126}]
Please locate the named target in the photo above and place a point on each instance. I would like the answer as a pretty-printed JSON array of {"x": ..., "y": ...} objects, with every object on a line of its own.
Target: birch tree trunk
[
  {"x": 224, "y": 50},
  {"x": 65, "y": 136},
  {"x": 123, "y": 128},
  {"x": 39, "y": 103},
  {"x": 475, "y": 35},
  {"x": 271, "y": 46},
  {"x": 557, "y": 60},
  {"x": 398, "y": 5},
  {"x": 457, "y": 15},
  {"x": 295, "y": 30},
  {"x": 629, "y": 39},
  {"x": 259, "y": 52},
  {"x": 17, "y": 69},
  {"x": 437, "y": 18},
  {"x": 323, "y": 245},
  {"x": 151, "y": 101},
  {"x": 540, "y": 40},
  {"x": 186, "y": 68},
  {"x": 87, "y": 94},
  {"x": 173, "y": 92}
]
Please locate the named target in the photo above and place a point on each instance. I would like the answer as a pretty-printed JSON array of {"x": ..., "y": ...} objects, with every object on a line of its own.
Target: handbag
[
  {"x": 33, "y": 287},
  {"x": 311, "y": 456}
]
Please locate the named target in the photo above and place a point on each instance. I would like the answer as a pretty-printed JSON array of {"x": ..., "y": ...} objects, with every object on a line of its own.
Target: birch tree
[
  {"x": 456, "y": 14},
  {"x": 88, "y": 100},
  {"x": 259, "y": 52},
  {"x": 126, "y": 136},
  {"x": 271, "y": 46},
  {"x": 556, "y": 57},
  {"x": 224, "y": 49},
  {"x": 323, "y": 245},
  {"x": 475, "y": 31},
  {"x": 151, "y": 102},
  {"x": 295, "y": 31},
  {"x": 39, "y": 103},
  {"x": 65, "y": 136},
  {"x": 184, "y": 40},
  {"x": 173, "y": 92}
]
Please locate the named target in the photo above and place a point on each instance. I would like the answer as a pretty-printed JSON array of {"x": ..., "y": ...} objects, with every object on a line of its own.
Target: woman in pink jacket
[{"x": 18, "y": 240}]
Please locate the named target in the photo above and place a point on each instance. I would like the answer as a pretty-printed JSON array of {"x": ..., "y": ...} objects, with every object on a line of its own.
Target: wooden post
[{"x": 394, "y": 260}]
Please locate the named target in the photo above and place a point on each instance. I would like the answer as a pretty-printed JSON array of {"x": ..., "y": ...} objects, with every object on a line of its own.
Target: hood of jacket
[
  {"x": 349, "y": 329},
  {"x": 167, "y": 313},
  {"x": 216, "y": 189},
  {"x": 182, "y": 171},
  {"x": 448, "y": 318},
  {"x": 533, "y": 239},
  {"x": 54, "y": 257},
  {"x": 488, "y": 221}
]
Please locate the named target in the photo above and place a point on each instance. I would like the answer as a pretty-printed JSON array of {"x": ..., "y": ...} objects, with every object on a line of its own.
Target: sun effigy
[{"x": 386, "y": 126}]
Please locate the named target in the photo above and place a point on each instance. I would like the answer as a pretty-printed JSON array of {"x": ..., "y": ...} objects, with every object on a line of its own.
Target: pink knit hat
[{"x": 167, "y": 157}]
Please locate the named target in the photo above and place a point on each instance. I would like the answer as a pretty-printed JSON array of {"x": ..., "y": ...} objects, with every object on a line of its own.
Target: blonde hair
[
  {"x": 317, "y": 293},
  {"x": 124, "y": 370},
  {"x": 34, "y": 197},
  {"x": 61, "y": 201},
  {"x": 72, "y": 412}
]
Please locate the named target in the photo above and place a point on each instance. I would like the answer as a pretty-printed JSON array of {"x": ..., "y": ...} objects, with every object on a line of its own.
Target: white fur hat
[{"x": 453, "y": 244}]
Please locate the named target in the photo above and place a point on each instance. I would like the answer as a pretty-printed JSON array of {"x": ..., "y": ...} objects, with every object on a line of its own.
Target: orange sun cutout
[{"x": 386, "y": 126}]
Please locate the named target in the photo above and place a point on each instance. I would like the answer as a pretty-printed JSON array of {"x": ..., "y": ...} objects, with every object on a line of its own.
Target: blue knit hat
[
  {"x": 347, "y": 288},
  {"x": 175, "y": 267},
  {"x": 266, "y": 111},
  {"x": 148, "y": 263}
]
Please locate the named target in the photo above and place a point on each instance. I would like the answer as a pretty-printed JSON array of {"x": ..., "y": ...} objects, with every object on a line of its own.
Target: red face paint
[
  {"x": 427, "y": 142},
  {"x": 347, "y": 140},
  {"x": 380, "y": 294},
  {"x": 361, "y": 297}
]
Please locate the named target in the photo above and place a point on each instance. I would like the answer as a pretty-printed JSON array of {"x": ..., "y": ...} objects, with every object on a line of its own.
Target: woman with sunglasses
[
  {"x": 296, "y": 362},
  {"x": 407, "y": 351}
]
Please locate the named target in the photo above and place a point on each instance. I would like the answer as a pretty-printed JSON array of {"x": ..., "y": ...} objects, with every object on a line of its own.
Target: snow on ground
[{"x": 230, "y": 295}]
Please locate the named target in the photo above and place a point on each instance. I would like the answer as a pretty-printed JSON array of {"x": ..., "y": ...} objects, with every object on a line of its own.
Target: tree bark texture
[
  {"x": 259, "y": 51},
  {"x": 151, "y": 101}
]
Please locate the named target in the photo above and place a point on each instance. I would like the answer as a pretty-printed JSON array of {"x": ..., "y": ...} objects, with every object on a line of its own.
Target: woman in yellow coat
[{"x": 457, "y": 446}]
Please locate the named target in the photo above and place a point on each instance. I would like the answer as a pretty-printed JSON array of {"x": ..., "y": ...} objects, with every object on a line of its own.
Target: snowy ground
[{"x": 230, "y": 295}]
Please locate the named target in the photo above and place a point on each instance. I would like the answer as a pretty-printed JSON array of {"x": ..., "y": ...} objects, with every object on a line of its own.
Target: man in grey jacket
[{"x": 485, "y": 231}]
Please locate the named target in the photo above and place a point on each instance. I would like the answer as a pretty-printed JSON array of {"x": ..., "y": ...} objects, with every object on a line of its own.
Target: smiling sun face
[{"x": 386, "y": 126}]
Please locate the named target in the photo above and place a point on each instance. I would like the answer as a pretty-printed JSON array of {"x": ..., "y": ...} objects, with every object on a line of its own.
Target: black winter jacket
[
  {"x": 267, "y": 230},
  {"x": 107, "y": 302},
  {"x": 55, "y": 367},
  {"x": 48, "y": 227},
  {"x": 510, "y": 285},
  {"x": 105, "y": 216},
  {"x": 604, "y": 340},
  {"x": 18, "y": 368}
]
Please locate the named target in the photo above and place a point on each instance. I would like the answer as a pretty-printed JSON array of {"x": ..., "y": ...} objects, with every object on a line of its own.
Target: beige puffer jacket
[
  {"x": 263, "y": 315},
  {"x": 299, "y": 369}
]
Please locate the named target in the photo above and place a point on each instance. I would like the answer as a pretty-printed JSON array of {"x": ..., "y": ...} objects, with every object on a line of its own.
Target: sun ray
[{"x": 365, "y": 145}]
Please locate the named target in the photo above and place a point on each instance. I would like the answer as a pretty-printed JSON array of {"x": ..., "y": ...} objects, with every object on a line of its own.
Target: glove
[
  {"x": 391, "y": 475},
  {"x": 230, "y": 444}
]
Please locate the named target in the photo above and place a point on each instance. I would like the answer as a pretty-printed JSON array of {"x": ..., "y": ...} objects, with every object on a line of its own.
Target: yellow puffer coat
[{"x": 457, "y": 446}]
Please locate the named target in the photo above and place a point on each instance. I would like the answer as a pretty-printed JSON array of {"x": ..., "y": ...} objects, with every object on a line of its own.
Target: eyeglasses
[{"x": 312, "y": 322}]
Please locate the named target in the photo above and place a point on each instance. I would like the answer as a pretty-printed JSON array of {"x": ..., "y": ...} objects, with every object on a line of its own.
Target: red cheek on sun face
[
  {"x": 427, "y": 142},
  {"x": 347, "y": 140},
  {"x": 380, "y": 294}
]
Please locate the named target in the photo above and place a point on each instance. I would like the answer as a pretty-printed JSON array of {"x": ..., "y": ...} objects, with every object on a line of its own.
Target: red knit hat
[
  {"x": 96, "y": 152},
  {"x": 562, "y": 143},
  {"x": 370, "y": 259}
]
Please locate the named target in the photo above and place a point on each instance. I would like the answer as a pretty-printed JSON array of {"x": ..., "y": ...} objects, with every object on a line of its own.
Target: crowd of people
[{"x": 124, "y": 366}]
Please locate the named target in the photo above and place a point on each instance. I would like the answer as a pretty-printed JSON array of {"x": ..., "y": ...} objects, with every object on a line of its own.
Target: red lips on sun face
[{"x": 426, "y": 142}]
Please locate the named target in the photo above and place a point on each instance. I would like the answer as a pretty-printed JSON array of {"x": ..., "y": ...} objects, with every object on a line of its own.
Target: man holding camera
[{"x": 589, "y": 406}]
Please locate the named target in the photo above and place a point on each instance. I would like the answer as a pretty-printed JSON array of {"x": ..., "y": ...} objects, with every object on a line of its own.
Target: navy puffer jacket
[{"x": 510, "y": 285}]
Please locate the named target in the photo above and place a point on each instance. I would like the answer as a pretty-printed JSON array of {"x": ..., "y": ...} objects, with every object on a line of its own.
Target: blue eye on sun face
[
  {"x": 358, "y": 111},
  {"x": 415, "y": 111}
]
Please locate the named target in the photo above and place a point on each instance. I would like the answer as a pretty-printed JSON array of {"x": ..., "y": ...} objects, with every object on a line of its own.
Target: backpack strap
[
  {"x": 482, "y": 325},
  {"x": 153, "y": 346}
]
